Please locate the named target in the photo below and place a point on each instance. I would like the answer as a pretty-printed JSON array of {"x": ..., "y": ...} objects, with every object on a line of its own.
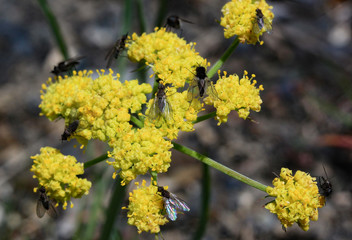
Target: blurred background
[{"x": 305, "y": 66}]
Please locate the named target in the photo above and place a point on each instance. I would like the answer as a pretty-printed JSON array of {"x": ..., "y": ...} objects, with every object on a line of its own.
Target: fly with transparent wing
[
  {"x": 175, "y": 22},
  {"x": 69, "y": 130},
  {"x": 261, "y": 22},
  {"x": 201, "y": 85},
  {"x": 115, "y": 51},
  {"x": 45, "y": 204},
  {"x": 324, "y": 185},
  {"x": 161, "y": 106},
  {"x": 66, "y": 65},
  {"x": 172, "y": 203}
]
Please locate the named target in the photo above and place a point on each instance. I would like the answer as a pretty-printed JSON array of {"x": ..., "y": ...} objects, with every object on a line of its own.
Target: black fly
[
  {"x": 324, "y": 185},
  {"x": 45, "y": 204},
  {"x": 69, "y": 130},
  {"x": 172, "y": 203},
  {"x": 261, "y": 22},
  {"x": 201, "y": 85},
  {"x": 115, "y": 51},
  {"x": 175, "y": 22},
  {"x": 161, "y": 106},
  {"x": 66, "y": 66}
]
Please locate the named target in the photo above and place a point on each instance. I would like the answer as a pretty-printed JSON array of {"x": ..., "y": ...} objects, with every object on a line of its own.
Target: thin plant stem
[
  {"x": 218, "y": 166},
  {"x": 161, "y": 13},
  {"x": 141, "y": 18},
  {"x": 54, "y": 27},
  {"x": 205, "y": 200},
  {"x": 114, "y": 209},
  {"x": 95, "y": 161},
  {"x": 223, "y": 58},
  {"x": 205, "y": 117}
]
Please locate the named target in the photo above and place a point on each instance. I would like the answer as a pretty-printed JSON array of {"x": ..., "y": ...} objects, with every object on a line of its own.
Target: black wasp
[
  {"x": 201, "y": 85},
  {"x": 172, "y": 203},
  {"x": 324, "y": 185},
  {"x": 175, "y": 22},
  {"x": 115, "y": 51},
  {"x": 261, "y": 22},
  {"x": 69, "y": 130},
  {"x": 160, "y": 106},
  {"x": 66, "y": 65},
  {"x": 45, "y": 204}
]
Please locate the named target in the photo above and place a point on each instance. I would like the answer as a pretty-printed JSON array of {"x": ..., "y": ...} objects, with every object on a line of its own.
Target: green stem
[
  {"x": 137, "y": 122},
  {"x": 205, "y": 204},
  {"x": 218, "y": 166},
  {"x": 95, "y": 161},
  {"x": 223, "y": 58},
  {"x": 205, "y": 117},
  {"x": 54, "y": 27},
  {"x": 141, "y": 18},
  {"x": 161, "y": 13},
  {"x": 114, "y": 209}
]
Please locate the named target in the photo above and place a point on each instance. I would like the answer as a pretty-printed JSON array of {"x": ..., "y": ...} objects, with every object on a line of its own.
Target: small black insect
[
  {"x": 175, "y": 22},
  {"x": 115, "y": 51},
  {"x": 69, "y": 130},
  {"x": 45, "y": 204},
  {"x": 261, "y": 22},
  {"x": 172, "y": 203},
  {"x": 66, "y": 66},
  {"x": 161, "y": 106},
  {"x": 324, "y": 185},
  {"x": 201, "y": 85}
]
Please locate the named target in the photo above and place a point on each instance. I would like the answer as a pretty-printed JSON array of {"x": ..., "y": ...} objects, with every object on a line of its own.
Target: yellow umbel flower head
[
  {"x": 236, "y": 94},
  {"x": 145, "y": 209},
  {"x": 297, "y": 199},
  {"x": 140, "y": 151},
  {"x": 58, "y": 174},
  {"x": 171, "y": 58},
  {"x": 102, "y": 106},
  {"x": 240, "y": 18}
]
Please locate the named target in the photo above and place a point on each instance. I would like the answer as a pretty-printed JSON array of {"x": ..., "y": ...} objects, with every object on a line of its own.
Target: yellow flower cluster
[
  {"x": 297, "y": 199},
  {"x": 102, "y": 105},
  {"x": 145, "y": 209},
  {"x": 171, "y": 58},
  {"x": 139, "y": 151},
  {"x": 174, "y": 62},
  {"x": 236, "y": 94},
  {"x": 240, "y": 19},
  {"x": 58, "y": 174}
]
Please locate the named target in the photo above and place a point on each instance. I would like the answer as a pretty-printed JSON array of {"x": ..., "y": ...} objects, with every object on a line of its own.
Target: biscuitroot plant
[{"x": 140, "y": 131}]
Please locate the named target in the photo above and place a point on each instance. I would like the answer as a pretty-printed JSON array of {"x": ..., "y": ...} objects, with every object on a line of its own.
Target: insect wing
[
  {"x": 178, "y": 203},
  {"x": 170, "y": 209},
  {"x": 110, "y": 56},
  {"x": 167, "y": 113},
  {"x": 256, "y": 27},
  {"x": 193, "y": 90},
  {"x": 210, "y": 89},
  {"x": 40, "y": 208},
  {"x": 266, "y": 25},
  {"x": 52, "y": 211},
  {"x": 154, "y": 111}
]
